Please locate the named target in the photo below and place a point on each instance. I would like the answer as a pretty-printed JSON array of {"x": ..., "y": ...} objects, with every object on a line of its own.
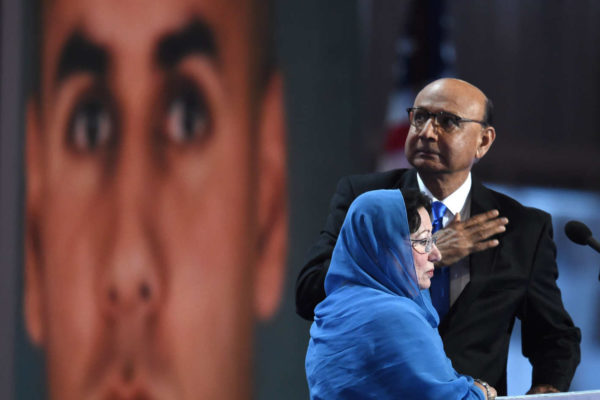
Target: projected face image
[{"x": 156, "y": 206}]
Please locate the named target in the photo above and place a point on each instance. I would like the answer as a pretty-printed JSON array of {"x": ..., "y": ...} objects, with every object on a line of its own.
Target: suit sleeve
[
  {"x": 310, "y": 289},
  {"x": 549, "y": 338}
]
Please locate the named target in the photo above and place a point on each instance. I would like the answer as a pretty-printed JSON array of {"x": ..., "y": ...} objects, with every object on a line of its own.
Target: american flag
[{"x": 424, "y": 52}]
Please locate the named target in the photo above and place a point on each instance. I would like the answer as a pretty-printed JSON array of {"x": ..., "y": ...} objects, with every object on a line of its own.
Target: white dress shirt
[{"x": 458, "y": 202}]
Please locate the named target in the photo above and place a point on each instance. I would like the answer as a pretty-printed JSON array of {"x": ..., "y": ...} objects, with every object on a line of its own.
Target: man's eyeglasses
[
  {"x": 448, "y": 122},
  {"x": 423, "y": 246}
]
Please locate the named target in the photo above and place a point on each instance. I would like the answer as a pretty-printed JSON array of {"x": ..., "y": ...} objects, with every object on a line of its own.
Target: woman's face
[{"x": 423, "y": 260}]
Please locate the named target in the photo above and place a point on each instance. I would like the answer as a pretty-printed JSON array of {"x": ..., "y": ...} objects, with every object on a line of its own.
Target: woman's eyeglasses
[{"x": 423, "y": 246}]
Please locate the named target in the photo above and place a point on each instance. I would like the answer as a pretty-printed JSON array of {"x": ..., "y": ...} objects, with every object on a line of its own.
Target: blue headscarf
[{"x": 375, "y": 334}]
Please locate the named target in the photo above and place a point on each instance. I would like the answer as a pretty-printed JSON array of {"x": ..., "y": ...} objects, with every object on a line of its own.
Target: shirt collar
[{"x": 456, "y": 201}]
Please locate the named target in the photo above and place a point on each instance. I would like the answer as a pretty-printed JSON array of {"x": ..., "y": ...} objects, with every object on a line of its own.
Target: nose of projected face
[{"x": 129, "y": 282}]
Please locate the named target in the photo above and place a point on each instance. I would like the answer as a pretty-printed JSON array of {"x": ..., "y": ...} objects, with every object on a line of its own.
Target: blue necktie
[{"x": 440, "y": 284}]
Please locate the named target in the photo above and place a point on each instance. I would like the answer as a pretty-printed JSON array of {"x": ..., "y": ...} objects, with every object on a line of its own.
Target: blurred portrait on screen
[{"x": 156, "y": 209}]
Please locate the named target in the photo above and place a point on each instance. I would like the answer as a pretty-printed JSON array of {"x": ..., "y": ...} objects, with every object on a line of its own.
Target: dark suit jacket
[{"x": 515, "y": 279}]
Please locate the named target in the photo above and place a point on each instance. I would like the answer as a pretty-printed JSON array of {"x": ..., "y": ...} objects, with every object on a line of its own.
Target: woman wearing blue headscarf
[{"x": 375, "y": 334}]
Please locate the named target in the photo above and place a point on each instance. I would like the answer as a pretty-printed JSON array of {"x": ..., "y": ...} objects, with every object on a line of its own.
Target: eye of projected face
[
  {"x": 187, "y": 117},
  {"x": 91, "y": 126}
]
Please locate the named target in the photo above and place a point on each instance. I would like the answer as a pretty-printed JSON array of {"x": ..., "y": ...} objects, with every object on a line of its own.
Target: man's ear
[
  {"x": 32, "y": 292},
  {"x": 272, "y": 200},
  {"x": 488, "y": 135}
]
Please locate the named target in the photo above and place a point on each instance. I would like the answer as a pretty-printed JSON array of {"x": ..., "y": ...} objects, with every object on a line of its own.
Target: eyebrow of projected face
[{"x": 80, "y": 54}]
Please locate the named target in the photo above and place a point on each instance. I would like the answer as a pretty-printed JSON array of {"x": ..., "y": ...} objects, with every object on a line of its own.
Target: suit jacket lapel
[{"x": 481, "y": 264}]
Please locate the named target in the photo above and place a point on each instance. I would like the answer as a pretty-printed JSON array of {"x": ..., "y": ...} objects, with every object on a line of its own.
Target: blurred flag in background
[{"x": 424, "y": 52}]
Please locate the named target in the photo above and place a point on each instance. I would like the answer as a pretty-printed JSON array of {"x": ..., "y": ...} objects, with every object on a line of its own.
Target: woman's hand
[{"x": 488, "y": 391}]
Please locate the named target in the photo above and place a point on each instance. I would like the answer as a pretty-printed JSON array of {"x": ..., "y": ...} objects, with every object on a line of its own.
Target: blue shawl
[{"x": 375, "y": 334}]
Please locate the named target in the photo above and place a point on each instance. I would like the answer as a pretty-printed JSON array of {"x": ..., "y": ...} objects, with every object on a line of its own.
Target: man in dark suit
[{"x": 498, "y": 271}]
